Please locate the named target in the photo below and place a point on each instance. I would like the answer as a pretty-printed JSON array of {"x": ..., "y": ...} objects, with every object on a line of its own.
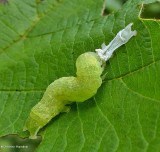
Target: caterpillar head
[{"x": 89, "y": 64}]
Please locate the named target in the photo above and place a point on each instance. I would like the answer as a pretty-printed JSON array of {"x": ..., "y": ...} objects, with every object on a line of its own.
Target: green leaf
[{"x": 40, "y": 41}]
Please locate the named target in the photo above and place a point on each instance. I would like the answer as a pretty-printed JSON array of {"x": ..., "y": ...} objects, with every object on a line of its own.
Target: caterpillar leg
[
  {"x": 66, "y": 109},
  {"x": 104, "y": 76}
]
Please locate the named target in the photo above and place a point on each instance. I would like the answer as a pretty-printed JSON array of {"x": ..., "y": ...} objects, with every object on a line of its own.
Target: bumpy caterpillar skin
[{"x": 66, "y": 90}]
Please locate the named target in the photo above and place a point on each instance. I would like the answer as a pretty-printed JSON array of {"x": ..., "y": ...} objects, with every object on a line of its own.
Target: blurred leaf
[
  {"x": 40, "y": 41},
  {"x": 113, "y": 5},
  {"x": 151, "y": 10},
  {"x": 12, "y": 143}
]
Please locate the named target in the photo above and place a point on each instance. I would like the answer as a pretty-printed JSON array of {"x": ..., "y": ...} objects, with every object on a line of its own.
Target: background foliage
[{"x": 40, "y": 41}]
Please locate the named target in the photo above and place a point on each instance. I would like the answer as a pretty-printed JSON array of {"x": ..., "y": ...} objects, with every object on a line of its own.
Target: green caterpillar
[{"x": 66, "y": 90}]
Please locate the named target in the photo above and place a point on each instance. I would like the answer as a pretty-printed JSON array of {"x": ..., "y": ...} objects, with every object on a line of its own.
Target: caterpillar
[{"x": 63, "y": 91}]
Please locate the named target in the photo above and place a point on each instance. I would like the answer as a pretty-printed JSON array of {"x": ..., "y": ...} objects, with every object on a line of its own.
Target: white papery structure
[{"x": 121, "y": 38}]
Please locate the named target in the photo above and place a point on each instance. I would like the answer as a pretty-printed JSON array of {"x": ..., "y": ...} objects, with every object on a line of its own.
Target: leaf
[{"x": 40, "y": 41}]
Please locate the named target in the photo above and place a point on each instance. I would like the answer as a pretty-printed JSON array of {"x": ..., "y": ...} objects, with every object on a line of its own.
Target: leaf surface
[{"x": 40, "y": 41}]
